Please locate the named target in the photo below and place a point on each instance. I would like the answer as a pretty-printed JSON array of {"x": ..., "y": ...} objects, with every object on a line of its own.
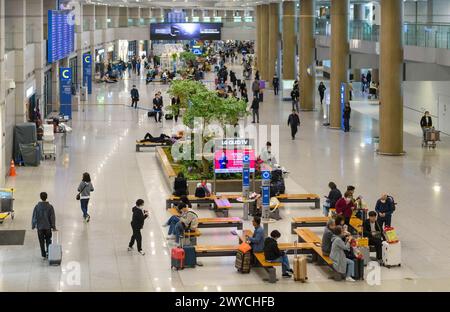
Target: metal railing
[{"x": 414, "y": 34}]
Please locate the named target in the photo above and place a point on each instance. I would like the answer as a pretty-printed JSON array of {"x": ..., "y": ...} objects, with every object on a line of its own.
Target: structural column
[
  {"x": 391, "y": 60},
  {"x": 264, "y": 42},
  {"x": 258, "y": 36},
  {"x": 274, "y": 35},
  {"x": 2, "y": 93},
  {"x": 289, "y": 40},
  {"x": 15, "y": 15},
  {"x": 339, "y": 58},
  {"x": 307, "y": 70}
]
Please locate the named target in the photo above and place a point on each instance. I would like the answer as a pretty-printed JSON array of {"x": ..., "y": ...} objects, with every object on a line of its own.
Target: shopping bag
[{"x": 244, "y": 247}]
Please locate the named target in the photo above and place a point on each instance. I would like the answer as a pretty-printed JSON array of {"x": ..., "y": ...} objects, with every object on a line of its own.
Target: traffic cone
[{"x": 12, "y": 169}]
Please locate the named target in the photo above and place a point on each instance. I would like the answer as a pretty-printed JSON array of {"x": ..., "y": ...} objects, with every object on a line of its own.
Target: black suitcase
[
  {"x": 151, "y": 114},
  {"x": 243, "y": 261},
  {"x": 168, "y": 116},
  {"x": 359, "y": 269},
  {"x": 190, "y": 260}
]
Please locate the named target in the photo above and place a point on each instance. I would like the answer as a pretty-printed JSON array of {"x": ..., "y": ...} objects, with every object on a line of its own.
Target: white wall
[
  {"x": 420, "y": 96},
  {"x": 426, "y": 72},
  {"x": 441, "y": 11}
]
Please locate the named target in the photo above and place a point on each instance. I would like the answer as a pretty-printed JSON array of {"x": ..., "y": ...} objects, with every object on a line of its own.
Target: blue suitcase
[{"x": 190, "y": 260}]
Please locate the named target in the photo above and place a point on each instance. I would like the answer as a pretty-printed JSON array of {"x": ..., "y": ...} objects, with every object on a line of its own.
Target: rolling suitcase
[
  {"x": 177, "y": 258},
  {"x": 190, "y": 258},
  {"x": 243, "y": 261},
  {"x": 391, "y": 254},
  {"x": 359, "y": 269},
  {"x": 55, "y": 252},
  {"x": 151, "y": 114},
  {"x": 300, "y": 271}
]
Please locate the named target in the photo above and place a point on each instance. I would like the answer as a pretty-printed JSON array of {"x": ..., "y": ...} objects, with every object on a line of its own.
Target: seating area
[
  {"x": 308, "y": 222},
  {"x": 140, "y": 145}
]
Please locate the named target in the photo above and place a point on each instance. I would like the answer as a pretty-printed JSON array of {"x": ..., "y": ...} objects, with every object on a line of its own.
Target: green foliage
[
  {"x": 188, "y": 57},
  {"x": 185, "y": 89}
]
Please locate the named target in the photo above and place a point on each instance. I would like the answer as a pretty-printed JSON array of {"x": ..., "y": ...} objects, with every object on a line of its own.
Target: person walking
[
  {"x": 255, "y": 88},
  {"x": 275, "y": 84},
  {"x": 257, "y": 75},
  {"x": 85, "y": 188},
  {"x": 295, "y": 98},
  {"x": 321, "y": 90},
  {"x": 134, "y": 96},
  {"x": 255, "y": 109},
  {"x": 426, "y": 123},
  {"x": 43, "y": 220},
  {"x": 137, "y": 223},
  {"x": 294, "y": 123},
  {"x": 346, "y": 116}
]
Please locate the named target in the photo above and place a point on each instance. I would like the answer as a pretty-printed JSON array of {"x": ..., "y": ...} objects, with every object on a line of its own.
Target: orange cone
[{"x": 12, "y": 169}]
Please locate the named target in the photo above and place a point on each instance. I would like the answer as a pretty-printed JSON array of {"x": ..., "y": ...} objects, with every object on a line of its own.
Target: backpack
[
  {"x": 393, "y": 202},
  {"x": 200, "y": 192},
  {"x": 188, "y": 227}
]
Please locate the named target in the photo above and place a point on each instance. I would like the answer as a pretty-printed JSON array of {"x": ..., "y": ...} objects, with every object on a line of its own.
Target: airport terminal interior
[{"x": 366, "y": 85}]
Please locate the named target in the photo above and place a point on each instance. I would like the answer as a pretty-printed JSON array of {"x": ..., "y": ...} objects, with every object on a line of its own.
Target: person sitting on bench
[
  {"x": 341, "y": 263},
  {"x": 333, "y": 196},
  {"x": 328, "y": 234},
  {"x": 180, "y": 186},
  {"x": 173, "y": 220},
  {"x": 372, "y": 230},
  {"x": 345, "y": 207},
  {"x": 257, "y": 240},
  {"x": 273, "y": 254},
  {"x": 384, "y": 208},
  {"x": 188, "y": 222}
]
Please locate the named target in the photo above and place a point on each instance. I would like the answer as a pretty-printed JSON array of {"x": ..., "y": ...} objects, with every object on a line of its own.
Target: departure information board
[{"x": 61, "y": 35}]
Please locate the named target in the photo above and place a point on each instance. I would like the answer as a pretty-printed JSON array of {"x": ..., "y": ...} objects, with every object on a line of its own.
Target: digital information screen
[
  {"x": 231, "y": 161},
  {"x": 185, "y": 31},
  {"x": 61, "y": 35}
]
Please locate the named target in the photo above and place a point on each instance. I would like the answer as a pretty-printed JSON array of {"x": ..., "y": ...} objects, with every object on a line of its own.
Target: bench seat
[
  {"x": 300, "y": 198},
  {"x": 307, "y": 236},
  {"x": 308, "y": 222},
  {"x": 139, "y": 145}
]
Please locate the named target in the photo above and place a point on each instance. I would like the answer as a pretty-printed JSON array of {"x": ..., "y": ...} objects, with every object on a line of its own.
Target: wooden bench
[
  {"x": 166, "y": 166},
  {"x": 308, "y": 222},
  {"x": 357, "y": 224},
  {"x": 308, "y": 236},
  {"x": 190, "y": 237},
  {"x": 300, "y": 198},
  {"x": 214, "y": 222},
  {"x": 140, "y": 145},
  {"x": 172, "y": 199},
  {"x": 268, "y": 267}
]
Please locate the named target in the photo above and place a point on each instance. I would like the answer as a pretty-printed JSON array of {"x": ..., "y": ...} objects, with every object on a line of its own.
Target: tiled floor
[{"x": 102, "y": 143}]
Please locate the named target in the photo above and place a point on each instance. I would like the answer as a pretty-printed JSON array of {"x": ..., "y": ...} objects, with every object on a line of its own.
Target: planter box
[{"x": 221, "y": 185}]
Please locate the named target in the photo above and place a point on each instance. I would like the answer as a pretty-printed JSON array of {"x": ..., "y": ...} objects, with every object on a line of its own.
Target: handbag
[
  {"x": 79, "y": 194},
  {"x": 244, "y": 248}
]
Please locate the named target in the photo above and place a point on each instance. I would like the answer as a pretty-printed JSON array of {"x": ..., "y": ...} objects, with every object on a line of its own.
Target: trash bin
[{"x": 6, "y": 201}]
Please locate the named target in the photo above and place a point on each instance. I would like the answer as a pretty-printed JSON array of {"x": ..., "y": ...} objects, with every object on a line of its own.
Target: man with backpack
[
  {"x": 188, "y": 221},
  {"x": 384, "y": 207}
]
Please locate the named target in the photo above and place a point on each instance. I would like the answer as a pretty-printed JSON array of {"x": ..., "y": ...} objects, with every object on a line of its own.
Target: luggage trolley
[
  {"x": 48, "y": 142},
  {"x": 430, "y": 138},
  {"x": 6, "y": 204}
]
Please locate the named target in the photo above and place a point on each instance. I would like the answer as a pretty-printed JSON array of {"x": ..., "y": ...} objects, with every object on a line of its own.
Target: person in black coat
[
  {"x": 137, "y": 223},
  {"x": 273, "y": 254},
  {"x": 346, "y": 115},
  {"x": 276, "y": 84},
  {"x": 372, "y": 230},
  {"x": 180, "y": 186},
  {"x": 426, "y": 123},
  {"x": 321, "y": 90},
  {"x": 134, "y": 96},
  {"x": 333, "y": 196},
  {"x": 294, "y": 123},
  {"x": 255, "y": 109},
  {"x": 157, "y": 107}
]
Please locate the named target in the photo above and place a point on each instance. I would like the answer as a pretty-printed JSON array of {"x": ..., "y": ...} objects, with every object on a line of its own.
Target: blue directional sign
[
  {"x": 87, "y": 71},
  {"x": 265, "y": 175},
  {"x": 246, "y": 170},
  {"x": 65, "y": 91},
  {"x": 265, "y": 188}
]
